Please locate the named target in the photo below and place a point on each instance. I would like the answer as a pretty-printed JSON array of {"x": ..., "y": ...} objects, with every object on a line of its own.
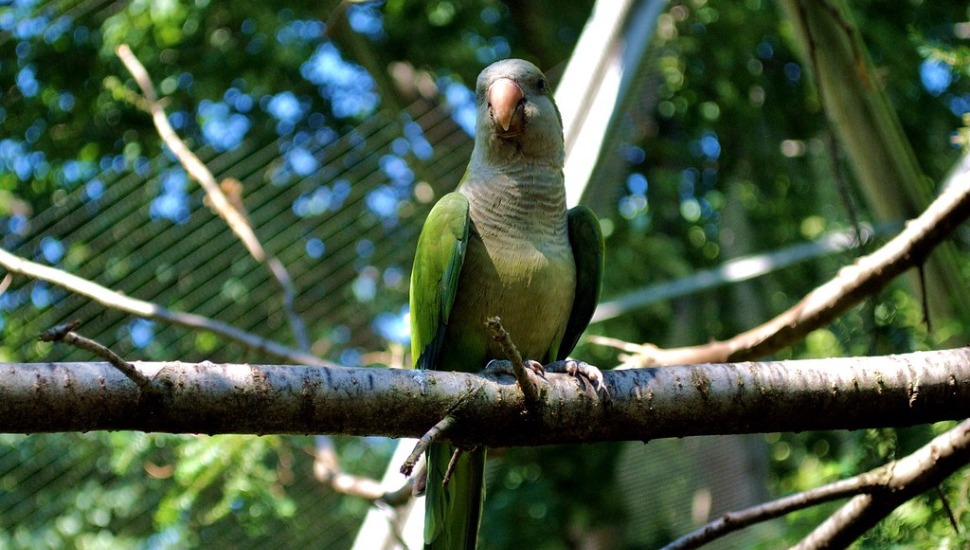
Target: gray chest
[{"x": 528, "y": 281}]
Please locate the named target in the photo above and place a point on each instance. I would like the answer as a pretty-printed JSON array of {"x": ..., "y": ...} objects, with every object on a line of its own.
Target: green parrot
[{"x": 502, "y": 245}]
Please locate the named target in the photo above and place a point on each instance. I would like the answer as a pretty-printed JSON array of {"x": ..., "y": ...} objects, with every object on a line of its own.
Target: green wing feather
[
  {"x": 452, "y": 512},
  {"x": 586, "y": 240},
  {"x": 434, "y": 277}
]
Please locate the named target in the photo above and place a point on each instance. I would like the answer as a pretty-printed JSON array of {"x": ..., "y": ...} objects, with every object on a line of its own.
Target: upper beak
[{"x": 504, "y": 96}]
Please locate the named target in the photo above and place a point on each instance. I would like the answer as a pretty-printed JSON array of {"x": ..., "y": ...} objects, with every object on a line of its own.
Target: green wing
[
  {"x": 453, "y": 511},
  {"x": 586, "y": 241},
  {"x": 434, "y": 277}
]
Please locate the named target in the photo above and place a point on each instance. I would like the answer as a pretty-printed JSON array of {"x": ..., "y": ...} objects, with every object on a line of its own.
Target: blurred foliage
[{"x": 734, "y": 160}]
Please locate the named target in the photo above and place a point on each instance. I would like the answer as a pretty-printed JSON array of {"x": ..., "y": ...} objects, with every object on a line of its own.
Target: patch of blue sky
[
  {"x": 27, "y": 81},
  {"x": 301, "y": 161},
  {"x": 393, "y": 327},
  {"x": 350, "y": 357},
  {"x": 462, "y": 102},
  {"x": 240, "y": 101},
  {"x": 173, "y": 202},
  {"x": 364, "y": 287},
  {"x": 300, "y": 30},
  {"x": 285, "y": 107},
  {"x": 340, "y": 191},
  {"x": 383, "y": 201},
  {"x": 637, "y": 183},
  {"x": 348, "y": 86},
  {"x": 959, "y": 104},
  {"x": 57, "y": 28},
  {"x": 177, "y": 119},
  {"x": 367, "y": 19},
  {"x": 497, "y": 47},
  {"x": 419, "y": 144},
  {"x": 710, "y": 146},
  {"x": 397, "y": 170},
  {"x": 315, "y": 248},
  {"x": 314, "y": 203},
  {"x": 222, "y": 128},
  {"x": 17, "y": 159},
  {"x": 29, "y": 27},
  {"x": 141, "y": 332},
  {"x": 94, "y": 189},
  {"x": 40, "y": 295},
  {"x": 18, "y": 224},
  {"x": 65, "y": 101},
  {"x": 51, "y": 249},
  {"x": 935, "y": 75}
]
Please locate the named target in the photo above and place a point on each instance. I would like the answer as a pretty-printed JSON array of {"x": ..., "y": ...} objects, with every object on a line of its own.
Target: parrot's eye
[{"x": 541, "y": 85}]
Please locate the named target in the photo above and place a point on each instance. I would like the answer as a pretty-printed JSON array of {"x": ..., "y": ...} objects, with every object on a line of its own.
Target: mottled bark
[{"x": 642, "y": 404}]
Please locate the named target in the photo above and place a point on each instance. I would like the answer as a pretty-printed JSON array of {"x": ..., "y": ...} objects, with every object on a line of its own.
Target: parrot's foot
[
  {"x": 504, "y": 366},
  {"x": 579, "y": 369}
]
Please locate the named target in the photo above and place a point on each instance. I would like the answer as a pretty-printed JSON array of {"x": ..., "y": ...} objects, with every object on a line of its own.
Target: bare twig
[
  {"x": 522, "y": 374},
  {"x": 65, "y": 333},
  {"x": 452, "y": 463},
  {"x": 148, "y": 310},
  {"x": 735, "y": 521},
  {"x": 853, "y": 283},
  {"x": 6, "y": 282},
  {"x": 903, "y": 480},
  {"x": 425, "y": 441},
  {"x": 946, "y": 508},
  {"x": 326, "y": 468},
  {"x": 890, "y": 484},
  {"x": 234, "y": 218}
]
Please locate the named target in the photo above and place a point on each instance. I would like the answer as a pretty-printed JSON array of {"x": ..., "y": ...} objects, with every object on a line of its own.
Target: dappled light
[{"x": 726, "y": 175}]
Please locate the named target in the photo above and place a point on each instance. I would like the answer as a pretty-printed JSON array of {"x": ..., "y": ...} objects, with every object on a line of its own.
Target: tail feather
[{"x": 453, "y": 512}]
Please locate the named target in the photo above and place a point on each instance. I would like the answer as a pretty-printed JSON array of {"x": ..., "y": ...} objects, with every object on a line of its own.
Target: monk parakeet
[{"x": 502, "y": 245}]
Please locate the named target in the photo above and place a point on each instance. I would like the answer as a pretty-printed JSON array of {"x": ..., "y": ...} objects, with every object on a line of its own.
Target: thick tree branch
[
  {"x": 115, "y": 300},
  {"x": 852, "y": 284},
  {"x": 233, "y": 216},
  {"x": 642, "y": 404}
]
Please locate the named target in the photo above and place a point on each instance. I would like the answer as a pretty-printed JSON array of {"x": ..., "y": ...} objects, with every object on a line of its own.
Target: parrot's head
[{"x": 516, "y": 110}]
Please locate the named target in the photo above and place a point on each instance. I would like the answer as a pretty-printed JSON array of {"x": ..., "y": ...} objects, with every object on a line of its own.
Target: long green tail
[{"x": 453, "y": 512}]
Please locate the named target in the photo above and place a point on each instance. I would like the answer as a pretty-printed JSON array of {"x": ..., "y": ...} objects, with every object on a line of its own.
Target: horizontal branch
[{"x": 641, "y": 404}]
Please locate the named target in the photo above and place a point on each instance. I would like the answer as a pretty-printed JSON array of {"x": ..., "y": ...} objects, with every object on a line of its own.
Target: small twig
[
  {"x": 326, "y": 468},
  {"x": 6, "y": 282},
  {"x": 65, "y": 333},
  {"x": 946, "y": 508},
  {"x": 925, "y": 298},
  {"x": 522, "y": 374},
  {"x": 616, "y": 343},
  {"x": 452, "y": 463},
  {"x": 425, "y": 441}
]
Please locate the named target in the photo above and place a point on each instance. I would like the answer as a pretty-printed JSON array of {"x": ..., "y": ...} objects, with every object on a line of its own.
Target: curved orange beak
[{"x": 504, "y": 96}]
